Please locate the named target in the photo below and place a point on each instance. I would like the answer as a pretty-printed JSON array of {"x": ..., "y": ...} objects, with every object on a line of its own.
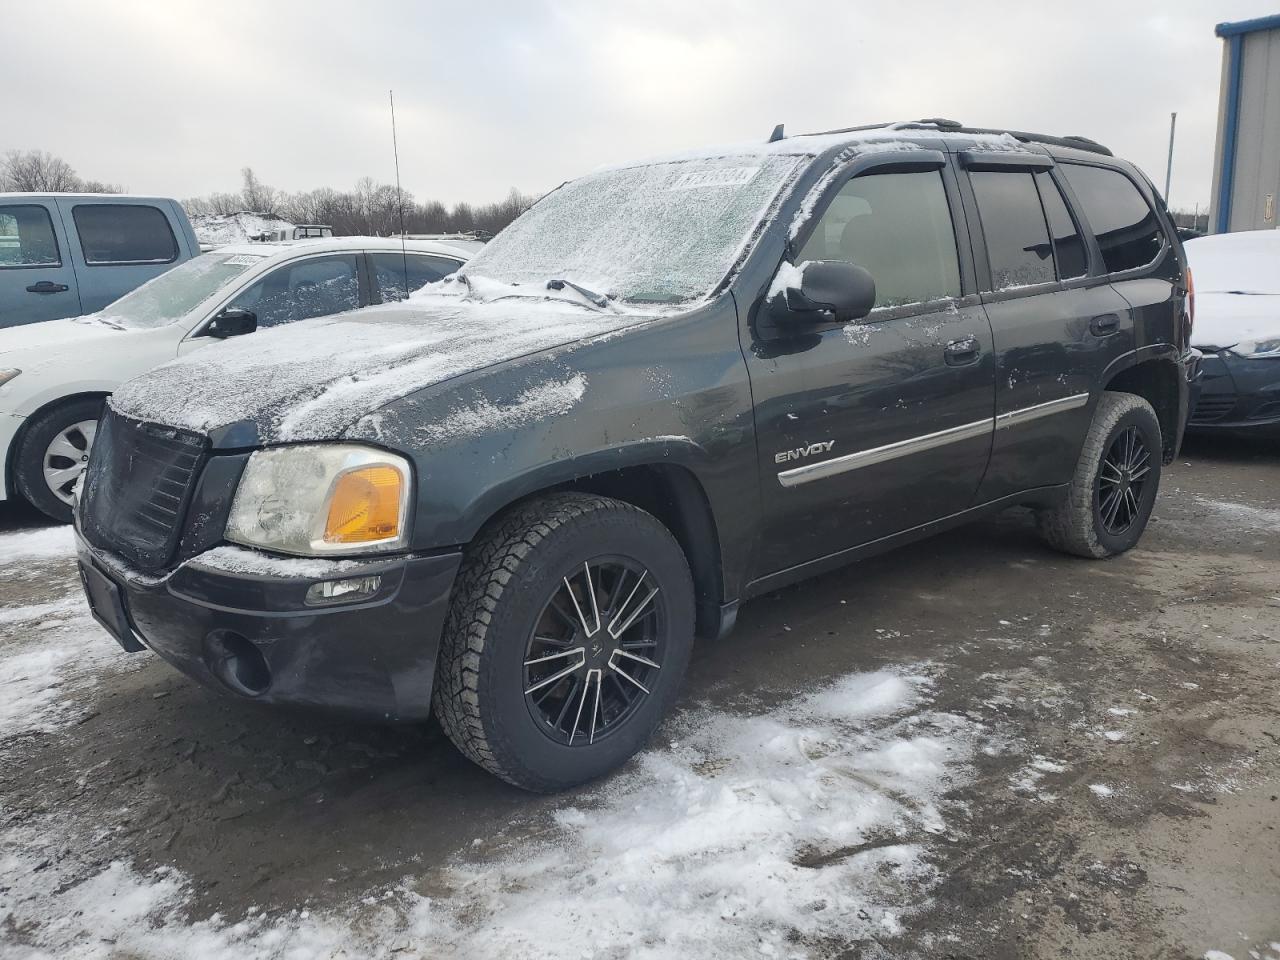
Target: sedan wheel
[{"x": 66, "y": 457}]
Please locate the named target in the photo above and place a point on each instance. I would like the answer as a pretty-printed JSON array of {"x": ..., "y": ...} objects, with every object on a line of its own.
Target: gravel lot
[{"x": 973, "y": 747}]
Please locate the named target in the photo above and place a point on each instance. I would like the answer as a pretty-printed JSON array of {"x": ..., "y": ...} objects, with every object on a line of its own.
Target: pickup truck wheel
[
  {"x": 1114, "y": 487},
  {"x": 53, "y": 454},
  {"x": 566, "y": 642}
]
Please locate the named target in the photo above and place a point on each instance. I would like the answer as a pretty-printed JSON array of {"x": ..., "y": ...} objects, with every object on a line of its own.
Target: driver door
[{"x": 870, "y": 428}]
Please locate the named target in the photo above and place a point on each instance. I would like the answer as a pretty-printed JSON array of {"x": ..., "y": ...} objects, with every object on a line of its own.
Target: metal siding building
[{"x": 1246, "y": 160}]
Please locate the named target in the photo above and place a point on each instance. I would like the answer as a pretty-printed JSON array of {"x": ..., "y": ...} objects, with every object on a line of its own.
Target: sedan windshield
[
  {"x": 172, "y": 294},
  {"x": 661, "y": 233}
]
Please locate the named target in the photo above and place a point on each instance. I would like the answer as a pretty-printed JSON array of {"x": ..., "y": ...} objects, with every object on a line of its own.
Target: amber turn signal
[{"x": 365, "y": 505}]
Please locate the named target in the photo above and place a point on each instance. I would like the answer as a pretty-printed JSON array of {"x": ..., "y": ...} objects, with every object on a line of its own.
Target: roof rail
[{"x": 954, "y": 126}]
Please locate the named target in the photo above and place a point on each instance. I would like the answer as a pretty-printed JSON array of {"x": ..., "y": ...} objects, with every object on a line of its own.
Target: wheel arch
[
  {"x": 674, "y": 494},
  {"x": 11, "y": 459},
  {"x": 1157, "y": 379}
]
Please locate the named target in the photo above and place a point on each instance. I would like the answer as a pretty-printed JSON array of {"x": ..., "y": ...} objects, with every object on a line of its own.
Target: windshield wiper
[
  {"x": 91, "y": 318},
  {"x": 598, "y": 299}
]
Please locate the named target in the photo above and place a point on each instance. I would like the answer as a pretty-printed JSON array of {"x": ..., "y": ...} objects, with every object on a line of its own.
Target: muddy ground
[{"x": 1122, "y": 803}]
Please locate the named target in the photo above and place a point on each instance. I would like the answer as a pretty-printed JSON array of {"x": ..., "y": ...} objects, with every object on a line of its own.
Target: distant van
[{"x": 67, "y": 254}]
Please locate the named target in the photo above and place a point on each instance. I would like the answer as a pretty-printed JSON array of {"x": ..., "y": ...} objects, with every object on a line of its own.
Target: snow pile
[
  {"x": 240, "y": 560},
  {"x": 218, "y": 230},
  {"x": 313, "y": 380},
  {"x": 777, "y": 834},
  {"x": 47, "y": 543}
]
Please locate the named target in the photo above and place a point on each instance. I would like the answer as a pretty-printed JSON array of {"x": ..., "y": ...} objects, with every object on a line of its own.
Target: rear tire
[
  {"x": 543, "y": 681},
  {"x": 1115, "y": 483},
  {"x": 55, "y": 449}
]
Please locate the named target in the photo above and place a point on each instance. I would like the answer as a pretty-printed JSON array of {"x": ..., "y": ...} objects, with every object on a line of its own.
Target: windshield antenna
[{"x": 395, "y": 147}]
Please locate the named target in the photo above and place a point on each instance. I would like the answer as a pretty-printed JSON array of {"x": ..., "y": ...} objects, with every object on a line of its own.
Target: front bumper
[
  {"x": 254, "y": 637},
  {"x": 1238, "y": 396}
]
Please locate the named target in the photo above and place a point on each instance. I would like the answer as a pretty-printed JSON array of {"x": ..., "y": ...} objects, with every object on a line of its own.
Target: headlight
[
  {"x": 7, "y": 375},
  {"x": 1266, "y": 347},
  {"x": 322, "y": 499}
]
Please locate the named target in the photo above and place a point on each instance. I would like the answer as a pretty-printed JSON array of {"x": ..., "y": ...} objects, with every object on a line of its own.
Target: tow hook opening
[{"x": 237, "y": 663}]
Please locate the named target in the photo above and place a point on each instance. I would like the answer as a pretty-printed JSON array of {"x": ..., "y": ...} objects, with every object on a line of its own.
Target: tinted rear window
[
  {"x": 1068, "y": 245},
  {"x": 1013, "y": 223},
  {"x": 124, "y": 233},
  {"x": 1127, "y": 229},
  {"x": 389, "y": 275},
  {"x": 26, "y": 237}
]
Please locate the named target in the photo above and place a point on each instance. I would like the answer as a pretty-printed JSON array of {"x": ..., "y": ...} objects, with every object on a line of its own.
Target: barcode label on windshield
[
  {"x": 241, "y": 260},
  {"x": 715, "y": 177}
]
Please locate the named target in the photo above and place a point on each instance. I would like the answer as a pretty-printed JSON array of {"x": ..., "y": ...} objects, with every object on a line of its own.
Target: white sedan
[{"x": 54, "y": 376}]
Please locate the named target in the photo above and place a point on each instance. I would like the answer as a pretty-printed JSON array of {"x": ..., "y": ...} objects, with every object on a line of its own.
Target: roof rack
[{"x": 954, "y": 126}]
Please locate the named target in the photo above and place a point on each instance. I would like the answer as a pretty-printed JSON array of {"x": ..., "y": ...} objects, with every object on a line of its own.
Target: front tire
[
  {"x": 1115, "y": 483},
  {"x": 566, "y": 642},
  {"x": 53, "y": 453}
]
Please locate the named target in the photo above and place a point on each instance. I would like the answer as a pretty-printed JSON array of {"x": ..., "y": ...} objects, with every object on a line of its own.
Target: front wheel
[
  {"x": 566, "y": 642},
  {"x": 1114, "y": 486},
  {"x": 53, "y": 454}
]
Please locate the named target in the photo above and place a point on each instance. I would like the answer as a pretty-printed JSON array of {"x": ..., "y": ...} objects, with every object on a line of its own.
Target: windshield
[
  {"x": 661, "y": 233},
  {"x": 1247, "y": 262},
  {"x": 175, "y": 292}
]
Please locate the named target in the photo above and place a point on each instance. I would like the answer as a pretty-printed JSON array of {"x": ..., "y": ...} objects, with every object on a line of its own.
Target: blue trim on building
[
  {"x": 1230, "y": 126},
  {"x": 1241, "y": 27}
]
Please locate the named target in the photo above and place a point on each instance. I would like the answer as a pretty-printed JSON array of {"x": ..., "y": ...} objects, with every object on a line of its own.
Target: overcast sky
[{"x": 174, "y": 98}]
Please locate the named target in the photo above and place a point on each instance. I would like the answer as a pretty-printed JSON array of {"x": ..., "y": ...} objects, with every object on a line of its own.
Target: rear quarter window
[
  {"x": 116, "y": 233},
  {"x": 1128, "y": 231}
]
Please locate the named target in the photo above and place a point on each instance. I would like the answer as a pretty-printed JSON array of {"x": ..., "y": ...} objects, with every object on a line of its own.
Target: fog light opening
[
  {"x": 343, "y": 591},
  {"x": 237, "y": 663}
]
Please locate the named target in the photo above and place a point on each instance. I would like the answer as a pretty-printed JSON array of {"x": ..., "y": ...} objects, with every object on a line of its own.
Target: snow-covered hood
[
  {"x": 312, "y": 380},
  {"x": 1225, "y": 319},
  {"x": 52, "y": 334}
]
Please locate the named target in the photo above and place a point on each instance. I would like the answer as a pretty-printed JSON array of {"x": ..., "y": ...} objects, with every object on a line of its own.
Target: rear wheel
[
  {"x": 567, "y": 640},
  {"x": 53, "y": 454},
  {"x": 1115, "y": 483}
]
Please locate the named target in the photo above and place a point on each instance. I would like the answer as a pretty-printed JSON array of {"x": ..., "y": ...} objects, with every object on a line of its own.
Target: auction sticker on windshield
[
  {"x": 242, "y": 260},
  {"x": 714, "y": 177}
]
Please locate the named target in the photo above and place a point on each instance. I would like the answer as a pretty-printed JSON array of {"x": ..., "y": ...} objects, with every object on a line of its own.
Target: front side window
[
  {"x": 304, "y": 289},
  {"x": 1068, "y": 245},
  {"x": 116, "y": 233},
  {"x": 1018, "y": 247},
  {"x": 898, "y": 227},
  {"x": 390, "y": 278},
  {"x": 1126, "y": 227},
  {"x": 26, "y": 237}
]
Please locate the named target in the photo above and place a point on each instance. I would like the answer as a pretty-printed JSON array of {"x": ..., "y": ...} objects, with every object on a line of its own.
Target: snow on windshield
[
  {"x": 175, "y": 292},
  {"x": 659, "y": 233}
]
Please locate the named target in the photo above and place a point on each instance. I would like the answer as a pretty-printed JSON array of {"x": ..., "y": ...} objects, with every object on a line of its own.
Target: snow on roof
[{"x": 282, "y": 248}]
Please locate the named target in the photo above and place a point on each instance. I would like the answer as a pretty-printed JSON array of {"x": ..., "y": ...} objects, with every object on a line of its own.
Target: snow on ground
[
  {"x": 218, "y": 230},
  {"x": 1244, "y": 516},
  {"x": 50, "y": 651},
  {"x": 778, "y": 833}
]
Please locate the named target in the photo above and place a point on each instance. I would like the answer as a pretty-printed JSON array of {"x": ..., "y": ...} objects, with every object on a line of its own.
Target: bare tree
[
  {"x": 38, "y": 171},
  {"x": 258, "y": 197}
]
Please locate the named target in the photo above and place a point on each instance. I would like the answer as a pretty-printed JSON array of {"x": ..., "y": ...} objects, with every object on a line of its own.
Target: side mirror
[
  {"x": 821, "y": 291},
  {"x": 232, "y": 322}
]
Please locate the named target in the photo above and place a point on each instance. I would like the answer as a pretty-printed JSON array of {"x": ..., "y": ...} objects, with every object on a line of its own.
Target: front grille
[
  {"x": 1213, "y": 406},
  {"x": 137, "y": 488}
]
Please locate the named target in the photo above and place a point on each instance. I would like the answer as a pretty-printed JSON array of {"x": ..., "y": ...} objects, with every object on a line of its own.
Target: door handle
[
  {"x": 960, "y": 353},
  {"x": 1105, "y": 325},
  {"x": 48, "y": 286}
]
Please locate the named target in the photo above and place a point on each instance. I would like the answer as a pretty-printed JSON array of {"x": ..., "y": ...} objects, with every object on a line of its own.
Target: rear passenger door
[
  {"x": 1055, "y": 319},
  {"x": 37, "y": 280},
  {"x": 396, "y": 275},
  {"x": 119, "y": 245},
  {"x": 870, "y": 428}
]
